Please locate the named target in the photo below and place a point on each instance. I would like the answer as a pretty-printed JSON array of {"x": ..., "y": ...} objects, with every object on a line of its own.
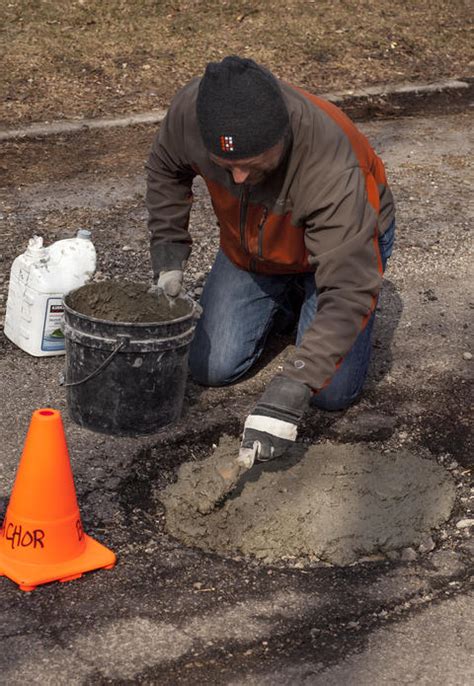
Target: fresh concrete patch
[{"x": 326, "y": 502}]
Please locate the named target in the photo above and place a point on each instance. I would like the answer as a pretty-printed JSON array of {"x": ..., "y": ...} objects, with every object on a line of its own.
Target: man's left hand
[
  {"x": 271, "y": 429},
  {"x": 171, "y": 282}
]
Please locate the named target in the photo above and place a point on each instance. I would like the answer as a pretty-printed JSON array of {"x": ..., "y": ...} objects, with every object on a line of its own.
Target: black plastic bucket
[{"x": 126, "y": 378}]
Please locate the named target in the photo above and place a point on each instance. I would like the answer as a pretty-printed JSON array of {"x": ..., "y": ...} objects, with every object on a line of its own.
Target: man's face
[{"x": 253, "y": 170}]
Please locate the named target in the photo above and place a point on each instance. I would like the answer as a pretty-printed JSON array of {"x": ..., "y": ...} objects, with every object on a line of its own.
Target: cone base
[{"x": 28, "y": 576}]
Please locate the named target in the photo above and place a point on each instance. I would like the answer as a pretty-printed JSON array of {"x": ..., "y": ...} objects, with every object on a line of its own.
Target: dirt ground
[
  {"x": 88, "y": 58},
  {"x": 175, "y": 614}
]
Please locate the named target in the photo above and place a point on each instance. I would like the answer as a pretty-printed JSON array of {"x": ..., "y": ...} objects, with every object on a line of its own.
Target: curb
[
  {"x": 67, "y": 126},
  {"x": 440, "y": 97},
  {"x": 377, "y": 101}
]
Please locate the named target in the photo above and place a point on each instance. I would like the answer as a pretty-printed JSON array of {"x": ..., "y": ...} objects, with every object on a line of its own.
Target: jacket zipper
[
  {"x": 260, "y": 231},
  {"x": 244, "y": 200}
]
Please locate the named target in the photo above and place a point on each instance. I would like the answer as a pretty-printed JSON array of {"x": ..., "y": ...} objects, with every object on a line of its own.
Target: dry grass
[{"x": 75, "y": 58}]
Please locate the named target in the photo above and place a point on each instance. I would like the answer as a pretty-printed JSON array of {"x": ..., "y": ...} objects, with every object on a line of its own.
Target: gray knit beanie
[{"x": 240, "y": 109}]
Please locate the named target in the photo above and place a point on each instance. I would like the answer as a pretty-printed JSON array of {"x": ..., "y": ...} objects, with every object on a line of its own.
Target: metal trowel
[{"x": 230, "y": 474}]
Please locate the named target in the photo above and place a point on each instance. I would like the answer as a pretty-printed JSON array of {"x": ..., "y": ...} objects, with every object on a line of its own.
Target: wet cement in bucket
[
  {"x": 327, "y": 502},
  {"x": 126, "y": 301}
]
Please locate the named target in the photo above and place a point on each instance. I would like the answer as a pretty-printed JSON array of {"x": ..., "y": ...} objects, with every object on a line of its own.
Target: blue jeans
[{"x": 239, "y": 311}]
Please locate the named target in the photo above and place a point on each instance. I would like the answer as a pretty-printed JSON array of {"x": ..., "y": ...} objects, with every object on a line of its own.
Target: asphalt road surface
[{"x": 168, "y": 614}]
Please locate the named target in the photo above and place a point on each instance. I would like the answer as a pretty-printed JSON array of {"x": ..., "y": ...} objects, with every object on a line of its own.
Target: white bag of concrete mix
[{"x": 39, "y": 279}]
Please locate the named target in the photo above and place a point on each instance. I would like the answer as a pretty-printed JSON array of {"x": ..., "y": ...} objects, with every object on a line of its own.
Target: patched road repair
[
  {"x": 172, "y": 612},
  {"x": 325, "y": 502}
]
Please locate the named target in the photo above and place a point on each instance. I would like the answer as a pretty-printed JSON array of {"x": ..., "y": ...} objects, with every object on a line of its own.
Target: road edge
[{"x": 390, "y": 100}]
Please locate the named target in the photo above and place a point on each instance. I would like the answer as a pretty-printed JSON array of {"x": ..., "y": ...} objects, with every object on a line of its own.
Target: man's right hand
[{"x": 171, "y": 283}]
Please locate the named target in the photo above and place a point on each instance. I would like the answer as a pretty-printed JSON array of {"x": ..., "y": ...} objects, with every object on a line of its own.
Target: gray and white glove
[
  {"x": 171, "y": 282},
  {"x": 271, "y": 428}
]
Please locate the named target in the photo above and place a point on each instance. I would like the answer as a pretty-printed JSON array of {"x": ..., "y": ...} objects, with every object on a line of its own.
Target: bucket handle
[{"x": 121, "y": 343}]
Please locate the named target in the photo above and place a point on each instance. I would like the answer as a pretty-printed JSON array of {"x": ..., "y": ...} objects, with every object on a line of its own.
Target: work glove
[
  {"x": 271, "y": 428},
  {"x": 171, "y": 282}
]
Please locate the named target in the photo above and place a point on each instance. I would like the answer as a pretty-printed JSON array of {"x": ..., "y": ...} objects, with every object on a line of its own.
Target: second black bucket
[{"x": 126, "y": 378}]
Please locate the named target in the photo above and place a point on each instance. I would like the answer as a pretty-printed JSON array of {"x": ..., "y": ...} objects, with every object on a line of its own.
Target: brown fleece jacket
[{"x": 321, "y": 210}]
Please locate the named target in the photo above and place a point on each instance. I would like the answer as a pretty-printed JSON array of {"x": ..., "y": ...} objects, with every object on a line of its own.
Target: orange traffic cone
[{"x": 42, "y": 539}]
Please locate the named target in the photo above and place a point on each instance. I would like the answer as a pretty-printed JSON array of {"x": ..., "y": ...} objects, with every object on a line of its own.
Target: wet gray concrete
[{"x": 328, "y": 502}]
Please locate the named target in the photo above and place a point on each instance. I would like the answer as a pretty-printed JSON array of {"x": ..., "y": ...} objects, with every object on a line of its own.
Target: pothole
[{"x": 327, "y": 502}]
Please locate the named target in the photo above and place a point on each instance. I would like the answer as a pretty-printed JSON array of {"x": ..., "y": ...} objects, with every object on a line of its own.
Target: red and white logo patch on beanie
[{"x": 227, "y": 143}]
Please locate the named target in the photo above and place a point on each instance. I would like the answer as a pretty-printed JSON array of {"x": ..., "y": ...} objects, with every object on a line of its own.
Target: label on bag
[{"x": 53, "y": 337}]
